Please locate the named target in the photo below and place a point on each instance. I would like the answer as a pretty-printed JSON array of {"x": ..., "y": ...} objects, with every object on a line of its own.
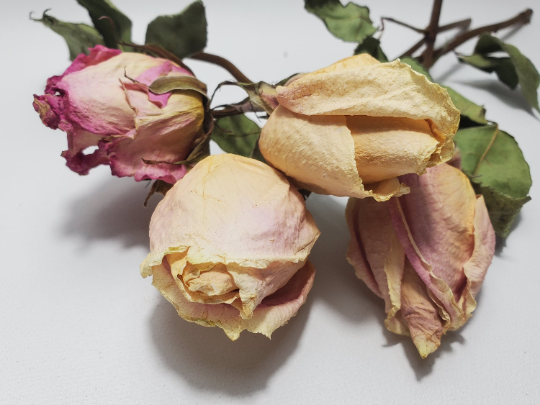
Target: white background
[{"x": 78, "y": 325}]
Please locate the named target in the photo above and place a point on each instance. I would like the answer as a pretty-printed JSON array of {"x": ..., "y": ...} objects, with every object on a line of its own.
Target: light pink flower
[
  {"x": 97, "y": 106},
  {"x": 229, "y": 246},
  {"x": 425, "y": 253}
]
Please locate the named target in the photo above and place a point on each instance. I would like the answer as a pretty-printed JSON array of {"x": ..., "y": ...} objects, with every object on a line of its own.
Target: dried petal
[{"x": 232, "y": 232}]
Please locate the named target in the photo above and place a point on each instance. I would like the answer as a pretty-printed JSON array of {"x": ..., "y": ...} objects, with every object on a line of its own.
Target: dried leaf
[
  {"x": 371, "y": 46},
  {"x": 183, "y": 34},
  {"x": 78, "y": 37},
  {"x": 236, "y": 134},
  {"x": 512, "y": 70},
  {"x": 495, "y": 164},
  {"x": 350, "y": 23},
  {"x": 104, "y": 8}
]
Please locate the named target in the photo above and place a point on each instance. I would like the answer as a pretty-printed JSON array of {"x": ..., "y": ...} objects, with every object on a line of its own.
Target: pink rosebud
[
  {"x": 425, "y": 253},
  {"x": 97, "y": 106},
  {"x": 229, "y": 246}
]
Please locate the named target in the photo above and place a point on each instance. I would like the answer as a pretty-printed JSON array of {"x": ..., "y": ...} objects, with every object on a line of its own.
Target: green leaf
[
  {"x": 350, "y": 23},
  {"x": 473, "y": 112},
  {"x": 236, "y": 134},
  {"x": 182, "y": 34},
  {"x": 468, "y": 109},
  {"x": 78, "y": 37},
  {"x": 512, "y": 70},
  {"x": 416, "y": 66},
  {"x": 493, "y": 161},
  {"x": 104, "y": 8},
  {"x": 371, "y": 46}
]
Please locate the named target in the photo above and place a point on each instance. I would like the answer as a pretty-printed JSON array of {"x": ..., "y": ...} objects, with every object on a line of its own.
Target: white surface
[{"x": 78, "y": 325}]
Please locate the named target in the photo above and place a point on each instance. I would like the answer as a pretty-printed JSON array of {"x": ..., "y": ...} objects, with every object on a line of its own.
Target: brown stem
[
  {"x": 522, "y": 18},
  {"x": 431, "y": 34},
  {"x": 413, "y": 48},
  {"x": 419, "y": 30},
  {"x": 224, "y": 63},
  {"x": 463, "y": 24}
]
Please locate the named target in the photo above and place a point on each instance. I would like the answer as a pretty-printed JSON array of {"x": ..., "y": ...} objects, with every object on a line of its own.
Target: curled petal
[
  {"x": 273, "y": 312},
  {"x": 318, "y": 153},
  {"x": 362, "y": 87}
]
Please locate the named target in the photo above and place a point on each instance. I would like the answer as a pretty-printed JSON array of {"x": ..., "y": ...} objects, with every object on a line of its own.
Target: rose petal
[
  {"x": 378, "y": 90},
  {"x": 318, "y": 152},
  {"x": 237, "y": 212},
  {"x": 435, "y": 226},
  {"x": 274, "y": 311},
  {"x": 420, "y": 313},
  {"x": 388, "y": 147}
]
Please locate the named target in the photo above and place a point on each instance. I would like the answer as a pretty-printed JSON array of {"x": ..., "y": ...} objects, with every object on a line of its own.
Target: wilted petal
[
  {"x": 420, "y": 313},
  {"x": 387, "y": 147},
  {"x": 318, "y": 153},
  {"x": 378, "y": 90},
  {"x": 235, "y": 217},
  {"x": 162, "y": 134},
  {"x": 435, "y": 226},
  {"x": 376, "y": 254}
]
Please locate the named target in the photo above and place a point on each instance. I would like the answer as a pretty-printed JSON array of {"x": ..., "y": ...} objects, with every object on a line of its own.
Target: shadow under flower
[
  {"x": 114, "y": 210},
  {"x": 207, "y": 359}
]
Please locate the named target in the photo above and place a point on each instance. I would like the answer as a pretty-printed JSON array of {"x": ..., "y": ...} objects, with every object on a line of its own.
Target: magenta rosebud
[{"x": 96, "y": 104}]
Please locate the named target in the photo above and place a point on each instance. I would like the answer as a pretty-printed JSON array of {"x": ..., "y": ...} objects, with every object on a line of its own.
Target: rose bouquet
[{"x": 430, "y": 181}]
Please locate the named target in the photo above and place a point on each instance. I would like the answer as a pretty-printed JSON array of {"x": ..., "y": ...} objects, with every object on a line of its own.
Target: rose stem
[
  {"x": 522, "y": 18},
  {"x": 431, "y": 34},
  {"x": 463, "y": 24},
  {"x": 224, "y": 63}
]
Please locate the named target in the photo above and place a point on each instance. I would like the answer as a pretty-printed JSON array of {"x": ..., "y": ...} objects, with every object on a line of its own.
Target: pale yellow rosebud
[
  {"x": 229, "y": 246},
  {"x": 350, "y": 129}
]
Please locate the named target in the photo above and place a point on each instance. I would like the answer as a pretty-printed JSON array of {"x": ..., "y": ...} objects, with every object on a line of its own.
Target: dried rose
[
  {"x": 350, "y": 129},
  {"x": 425, "y": 253},
  {"x": 229, "y": 246},
  {"x": 96, "y": 105}
]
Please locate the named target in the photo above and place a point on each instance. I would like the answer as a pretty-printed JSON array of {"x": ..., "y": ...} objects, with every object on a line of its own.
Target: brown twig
[
  {"x": 463, "y": 24},
  {"x": 522, "y": 18},
  {"x": 419, "y": 30},
  {"x": 224, "y": 63},
  {"x": 431, "y": 34}
]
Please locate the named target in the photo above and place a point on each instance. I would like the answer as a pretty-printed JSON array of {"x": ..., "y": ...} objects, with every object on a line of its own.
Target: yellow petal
[
  {"x": 273, "y": 312},
  {"x": 420, "y": 313},
  {"x": 378, "y": 90},
  {"x": 389, "y": 147},
  {"x": 318, "y": 153}
]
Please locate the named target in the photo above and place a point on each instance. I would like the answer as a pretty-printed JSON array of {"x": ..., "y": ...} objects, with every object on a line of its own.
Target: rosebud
[
  {"x": 97, "y": 105},
  {"x": 229, "y": 246},
  {"x": 350, "y": 129},
  {"x": 425, "y": 253}
]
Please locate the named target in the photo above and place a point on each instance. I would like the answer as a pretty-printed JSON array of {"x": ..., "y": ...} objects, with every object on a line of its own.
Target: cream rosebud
[
  {"x": 350, "y": 129},
  {"x": 98, "y": 106},
  {"x": 229, "y": 246},
  {"x": 425, "y": 253}
]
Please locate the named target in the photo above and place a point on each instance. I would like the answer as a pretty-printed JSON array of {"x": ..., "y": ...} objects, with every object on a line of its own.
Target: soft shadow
[
  {"x": 336, "y": 283},
  {"x": 512, "y": 98},
  {"x": 501, "y": 242},
  {"x": 450, "y": 71},
  {"x": 208, "y": 360},
  {"x": 114, "y": 210}
]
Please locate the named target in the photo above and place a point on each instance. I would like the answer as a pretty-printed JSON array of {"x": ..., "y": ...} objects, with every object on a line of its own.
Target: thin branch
[
  {"x": 463, "y": 24},
  {"x": 413, "y": 48},
  {"x": 522, "y": 18},
  {"x": 224, "y": 63},
  {"x": 431, "y": 35},
  {"x": 419, "y": 30}
]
